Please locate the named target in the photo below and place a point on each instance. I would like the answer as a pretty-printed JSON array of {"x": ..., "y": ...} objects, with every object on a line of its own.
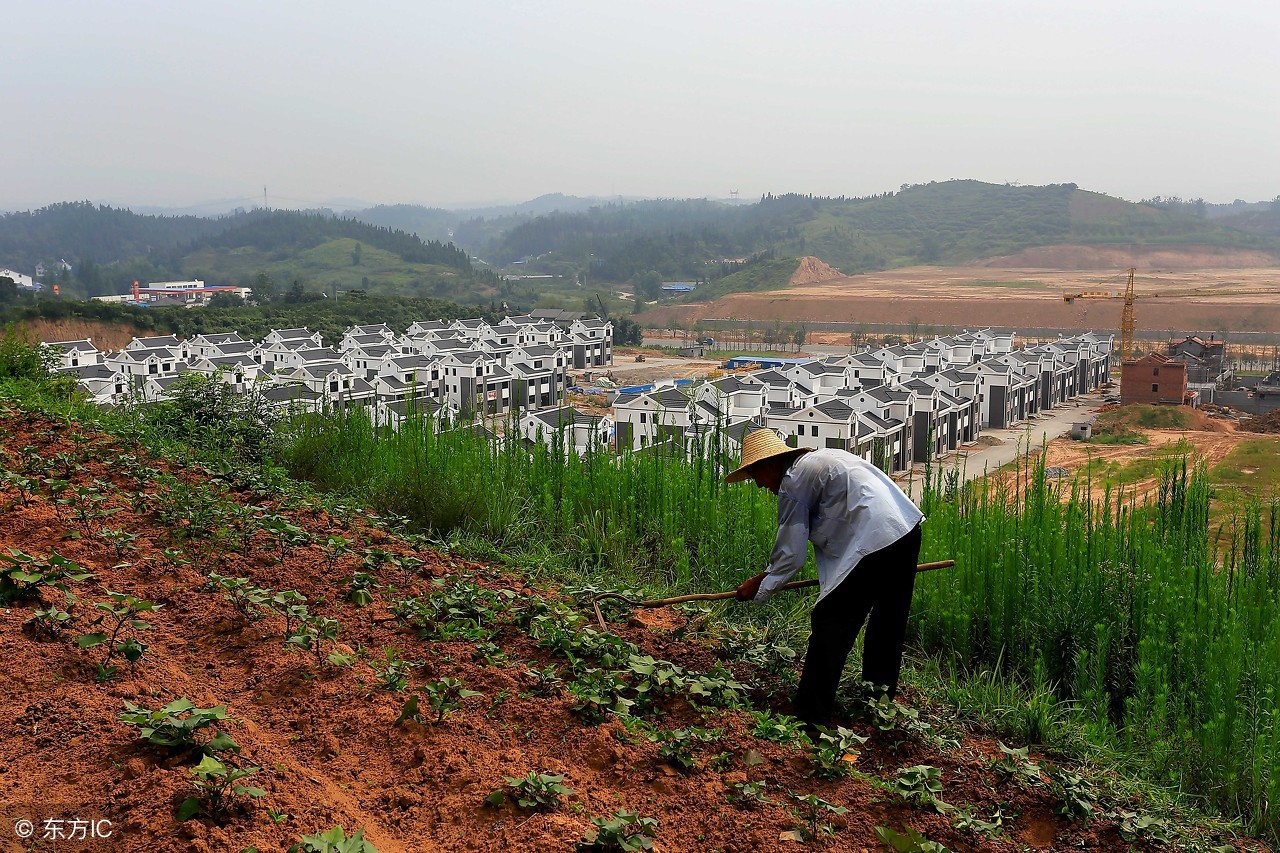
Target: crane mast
[{"x": 1128, "y": 322}]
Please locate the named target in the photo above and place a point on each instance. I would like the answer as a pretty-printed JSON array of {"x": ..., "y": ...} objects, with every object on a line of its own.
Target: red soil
[
  {"x": 326, "y": 741},
  {"x": 1067, "y": 256},
  {"x": 811, "y": 271}
]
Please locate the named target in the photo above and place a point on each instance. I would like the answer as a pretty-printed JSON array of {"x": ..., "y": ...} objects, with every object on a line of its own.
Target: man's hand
[{"x": 747, "y": 591}]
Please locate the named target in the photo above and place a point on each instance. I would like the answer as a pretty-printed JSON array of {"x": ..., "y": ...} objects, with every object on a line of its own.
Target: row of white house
[
  {"x": 895, "y": 406},
  {"x": 467, "y": 367}
]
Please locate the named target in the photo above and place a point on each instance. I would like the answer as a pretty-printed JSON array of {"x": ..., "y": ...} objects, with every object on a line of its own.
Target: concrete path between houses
[{"x": 1032, "y": 435}]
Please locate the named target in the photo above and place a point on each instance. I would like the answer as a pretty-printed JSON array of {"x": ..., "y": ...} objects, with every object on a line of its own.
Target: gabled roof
[
  {"x": 165, "y": 381},
  {"x": 410, "y": 362},
  {"x": 732, "y": 384},
  {"x": 523, "y": 367},
  {"x": 158, "y": 341},
  {"x": 320, "y": 354},
  {"x": 286, "y": 334},
  {"x": 816, "y": 368},
  {"x": 229, "y": 361},
  {"x": 710, "y": 409},
  {"x": 866, "y": 358},
  {"x": 920, "y": 387},
  {"x": 73, "y": 346},
  {"x": 281, "y": 393},
  {"x": 450, "y": 346},
  {"x": 144, "y": 354},
  {"x": 90, "y": 371},
  {"x": 772, "y": 377},
  {"x": 671, "y": 398},
  {"x": 220, "y": 338},
  {"x": 420, "y": 405},
  {"x": 363, "y": 339},
  {"x": 290, "y": 344},
  {"x": 879, "y": 423},
  {"x": 236, "y": 347},
  {"x": 886, "y": 394},
  {"x": 564, "y": 415},
  {"x": 835, "y": 409},
  {"x": 321, "y": 369},
  {"x": 379, "y": 351}
]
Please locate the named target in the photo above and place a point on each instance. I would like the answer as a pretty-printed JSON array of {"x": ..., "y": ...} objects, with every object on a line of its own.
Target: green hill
[
  {"x": 718, "y": 244},
  {"x": 110, "y": 248},
  {"x": 944, "y": 223}
]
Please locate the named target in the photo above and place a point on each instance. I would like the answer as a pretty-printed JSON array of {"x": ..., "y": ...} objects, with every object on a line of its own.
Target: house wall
[{"x": 1159, "y": 384}]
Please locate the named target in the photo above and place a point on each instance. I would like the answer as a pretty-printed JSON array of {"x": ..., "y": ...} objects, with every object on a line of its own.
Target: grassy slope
[
  {"x": 767, "y": 275},
  {"x": 1253, "y": 467},
  {"x": 328, "y": 266}
]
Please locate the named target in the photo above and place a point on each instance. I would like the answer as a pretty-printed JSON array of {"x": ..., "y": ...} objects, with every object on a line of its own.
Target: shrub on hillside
[
  {"x": 212, "y": 415},
  {"x": 22, "y": 357}
]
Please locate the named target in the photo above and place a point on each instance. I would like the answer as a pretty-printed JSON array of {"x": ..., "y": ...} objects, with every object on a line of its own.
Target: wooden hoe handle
[{"x": 721, "y": 596}]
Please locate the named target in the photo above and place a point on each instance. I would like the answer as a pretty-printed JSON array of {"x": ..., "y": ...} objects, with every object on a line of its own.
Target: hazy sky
[{"x": 463, "y": 102}]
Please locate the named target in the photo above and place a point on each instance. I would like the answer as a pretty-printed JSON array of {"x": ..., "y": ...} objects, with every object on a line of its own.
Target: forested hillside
[
  {"x": 946, "y": 223},
  {"x": 109, "y": 249},
  {"x": 76, "y": 230},
  {"x": 581, "y": 242}
]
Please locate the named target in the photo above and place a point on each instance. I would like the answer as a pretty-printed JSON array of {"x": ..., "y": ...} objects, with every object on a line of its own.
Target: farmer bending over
[{"x": 866, "y": 540}]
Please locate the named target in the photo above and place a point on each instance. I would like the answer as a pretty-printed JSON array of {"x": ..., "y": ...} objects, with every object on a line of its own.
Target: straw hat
[{"x": 758, "y": 446}]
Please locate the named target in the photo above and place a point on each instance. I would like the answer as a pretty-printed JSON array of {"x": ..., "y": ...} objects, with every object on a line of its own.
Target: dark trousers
[{"x": 880, "y": 585}]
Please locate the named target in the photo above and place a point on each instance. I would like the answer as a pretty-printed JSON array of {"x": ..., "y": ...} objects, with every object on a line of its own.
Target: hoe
[{"x": 720, "y": 596}]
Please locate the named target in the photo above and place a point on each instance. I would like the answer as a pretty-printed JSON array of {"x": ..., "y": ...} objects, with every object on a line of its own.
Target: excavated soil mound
[
  {"x": 811, "y": 271},
  {"x": 324, "y": 733},
  {"x": 1268, "y": 423}
]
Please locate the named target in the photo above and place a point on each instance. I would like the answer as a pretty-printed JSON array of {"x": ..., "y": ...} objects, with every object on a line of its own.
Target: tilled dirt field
[
  {"x": 1026, "y": 297},
  {"x": 325, "y": 734}
]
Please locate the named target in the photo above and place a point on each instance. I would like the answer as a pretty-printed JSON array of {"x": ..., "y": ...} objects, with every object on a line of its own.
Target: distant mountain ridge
[{"x": 416, "y": 250}]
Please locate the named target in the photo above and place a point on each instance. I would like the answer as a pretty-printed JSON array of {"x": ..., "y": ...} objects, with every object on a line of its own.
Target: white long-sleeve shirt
[{"x": 846, "y": 506}]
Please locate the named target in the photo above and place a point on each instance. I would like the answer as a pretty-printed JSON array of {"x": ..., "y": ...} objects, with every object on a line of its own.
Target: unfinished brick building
[{"x": 1154, "y": 379}]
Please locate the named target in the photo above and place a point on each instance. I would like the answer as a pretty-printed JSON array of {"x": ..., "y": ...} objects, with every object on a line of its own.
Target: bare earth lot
[{"x": 1012, "y": 296}]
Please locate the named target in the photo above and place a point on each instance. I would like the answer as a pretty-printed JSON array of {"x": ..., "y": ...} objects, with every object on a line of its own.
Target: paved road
[{"x": 1014, "y": 442}]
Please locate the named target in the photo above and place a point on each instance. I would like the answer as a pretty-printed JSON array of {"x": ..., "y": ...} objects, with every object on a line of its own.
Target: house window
[
  {"x": 153, "y": 368},
  {"x": 333, "y": 386},
  {"x": 642, "y": 417},
  {"x": 814, "y": 431},
  {"x": 1155, "y": 387}
]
